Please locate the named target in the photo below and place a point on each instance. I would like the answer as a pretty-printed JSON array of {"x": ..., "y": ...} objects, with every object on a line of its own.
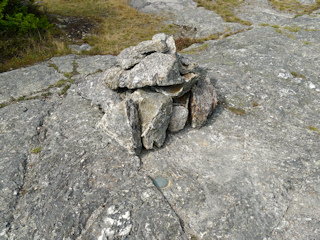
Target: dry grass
[
  {"x": 294, "y": 6},
  {"x": 118, "y": 26},
  {"x": 225, "y": 8}
]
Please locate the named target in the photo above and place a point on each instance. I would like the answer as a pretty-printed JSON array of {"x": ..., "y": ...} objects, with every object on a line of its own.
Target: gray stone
[
  {"x": 169, "y": 40},
  {"x": 203, "y": 101},
  {"x": 25, "y": 81},
  {"x": 94, "y": 88},
  {"x": 157, "y": 69},
  {"x": 79, "y": 48},
  {"x": 122, "y": 123},
  {"x": 178, "y": 119},
  {"x": 85, "y": 47},
  {"x": 112, "y": 76},
  {"x": 155, "y": 112},
  {"x": 180, "y": 89},
  {"x": 79, "y": 183},
  {"x": 64, "y": 63},
  {"x": 20, "y": 128},
  {"x": 186, "y": 66},
  {"x": 131, "y": 56},
  {"x": 249, "y": 176},
  {"x": 94, "y": 64}
]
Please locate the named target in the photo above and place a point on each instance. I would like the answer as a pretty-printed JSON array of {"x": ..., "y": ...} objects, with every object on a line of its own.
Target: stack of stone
[{"x": 161, "y": 90}]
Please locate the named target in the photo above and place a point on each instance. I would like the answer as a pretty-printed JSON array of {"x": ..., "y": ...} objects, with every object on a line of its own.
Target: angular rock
[
  {"x": 154, "y": 70},
  {"x": 112, "y": 76},
  {"x": 155, "y": 112},
  {"x": 180, "y": 89},
  {"x": 133, "y": 55},
  {"x": 121, "y": 122},
  {"x": 178, "y": 119},
  {"x": 203, "y": 101},
  {"x": 186, "y": 66},
  {"x": 169, "y": 40}
]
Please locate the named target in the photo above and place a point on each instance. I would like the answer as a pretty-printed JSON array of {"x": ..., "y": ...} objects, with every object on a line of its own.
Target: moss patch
[
  {"x": 225, "y": 8},
  {"x": 297, "y": 75},
  {"x": 294, "y": 6},
  {"x": 36, "y": 150},
  {"x": 313, "y": 129}
]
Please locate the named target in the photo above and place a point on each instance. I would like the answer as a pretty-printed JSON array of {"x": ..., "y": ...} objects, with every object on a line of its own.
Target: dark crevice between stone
[
  {"x": 181, "y": 222},
  {"x": 19, "y": 193},
  {"x": 38, "y": 138},
  {"x": 148, "y": 53},
  {"x": 279, "y": 222}
]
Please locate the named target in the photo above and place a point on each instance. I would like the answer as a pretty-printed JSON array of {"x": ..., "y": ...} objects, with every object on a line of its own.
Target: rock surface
[
  {"x": 203, "y": 101},
  {"x": 178, "y": 119},
  {"x": 122, "y": 123},
  {"x": 147, "y": 73},
  {"x": 253, "y": 175},
  {"x": 155, "y": 112}
]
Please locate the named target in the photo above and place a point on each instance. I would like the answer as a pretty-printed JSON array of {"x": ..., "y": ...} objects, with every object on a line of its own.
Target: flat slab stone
[
  {"x": 20, "y": 126},
  {"x": 24, "y": 81},
  {"x": 65, "y": 64},
  {"x": 147, "y": 73},
  {"x": 133, "y": 55},
  {"x": 93, "y": 64}
]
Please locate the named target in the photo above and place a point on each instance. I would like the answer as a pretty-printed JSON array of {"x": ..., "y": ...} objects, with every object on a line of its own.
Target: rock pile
[{"x": 160, "y": 89}]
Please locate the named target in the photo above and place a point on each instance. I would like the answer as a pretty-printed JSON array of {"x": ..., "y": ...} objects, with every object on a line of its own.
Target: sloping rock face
[{"x": 252, "y": 172}]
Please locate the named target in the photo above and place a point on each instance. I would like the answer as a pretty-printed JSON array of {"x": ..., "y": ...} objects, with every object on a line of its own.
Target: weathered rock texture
[
  {"x": 156, "y": 64},
  {"x": 253, "y": 175},
  {"x": 122, "y": 123},
  {"x": 155, "y": 113}
]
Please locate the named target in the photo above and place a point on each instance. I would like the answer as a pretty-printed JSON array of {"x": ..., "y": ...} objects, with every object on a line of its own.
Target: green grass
[
  {"x": 36, "y": 150},
  {"x": 293, "y": 28},
  {"x": 64, "y": 90},
  {"x": 225, "y": 8},
  {"x": 237, "y": 111},
  {"x": 297, "y": 75},
  {"x": 294, "y": 6},
  {"x": 313, "y": 129},
  {"x": 118, "y": 26},
  {"x": 184, "y": 42}
]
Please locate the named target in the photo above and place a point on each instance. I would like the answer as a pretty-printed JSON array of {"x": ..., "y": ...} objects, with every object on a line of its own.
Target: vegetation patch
[
  {"x": 225, "y": 8},
  {"x": 237, "y": 111},
  {"x": 117, "y": 26},
  {"x": 184, "y": 42},
  {"x": 314, "y": 129},
  {"x": 197, "y": 49},
  {"x": 294, "y": 6},
  {"x": 64, "y": 90},
  {"x": 36, "y": 150},
  {"x": 297, "y": 75},
  {"x": 46, "y": 94},
  {"x": 293, "y": 28},
  {"x": 60, "y": 83}
]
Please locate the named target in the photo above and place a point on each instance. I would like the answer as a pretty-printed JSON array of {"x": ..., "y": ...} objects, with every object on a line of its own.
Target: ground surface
[{"x": 252, "y": 172}]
